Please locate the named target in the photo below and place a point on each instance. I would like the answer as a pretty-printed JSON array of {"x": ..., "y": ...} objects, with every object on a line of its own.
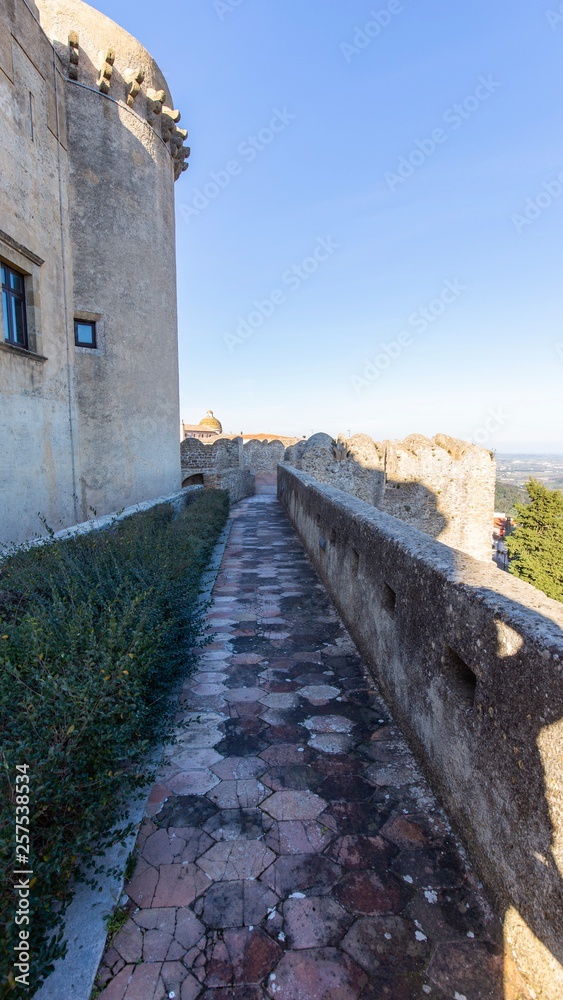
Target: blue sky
[{"x": 412, "y": 140}]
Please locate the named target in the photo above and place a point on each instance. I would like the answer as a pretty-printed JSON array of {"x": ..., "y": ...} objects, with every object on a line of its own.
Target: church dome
[{"x": 211, "y": 423}]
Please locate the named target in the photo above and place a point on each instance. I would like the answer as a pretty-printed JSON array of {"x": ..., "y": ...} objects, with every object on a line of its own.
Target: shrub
[{"x": 95, "y": 633}]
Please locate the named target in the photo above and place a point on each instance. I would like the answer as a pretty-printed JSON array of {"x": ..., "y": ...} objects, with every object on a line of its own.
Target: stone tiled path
[{"x": 292, "y": 849}]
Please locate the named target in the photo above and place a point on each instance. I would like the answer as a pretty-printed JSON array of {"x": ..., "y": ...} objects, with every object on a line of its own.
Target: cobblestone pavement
[{"x": 292, "y": 848}]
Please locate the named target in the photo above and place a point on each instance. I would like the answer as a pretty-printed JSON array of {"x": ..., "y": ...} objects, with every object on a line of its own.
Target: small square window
[
  {"x": 13, "y": 307},
  {"x": 84, "y": 333}
]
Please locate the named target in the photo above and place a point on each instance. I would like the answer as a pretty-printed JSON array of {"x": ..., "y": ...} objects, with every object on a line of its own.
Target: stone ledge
[{"x": 22, "y": 352}]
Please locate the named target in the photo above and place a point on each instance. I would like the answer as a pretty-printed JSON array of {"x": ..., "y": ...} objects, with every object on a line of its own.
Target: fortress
[{"x": 89, "y": 151}]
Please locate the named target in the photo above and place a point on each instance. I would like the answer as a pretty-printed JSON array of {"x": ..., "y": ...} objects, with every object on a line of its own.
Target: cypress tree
[{"x": 535, "y": 548}]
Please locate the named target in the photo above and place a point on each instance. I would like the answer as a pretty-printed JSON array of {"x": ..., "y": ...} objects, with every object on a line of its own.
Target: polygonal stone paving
[
  {"x": 329, "y": 724},
  {"x": 238, "y": 824},
  {"x": 317, "y": 974},
  {"x": 291, "y": 848},
  {"x": 333, "y": 743},
  {"x": 232, "y": 860},
  {"x": 235, "y": 768},
  {"x": 238, "y": 794},
  {"x": 294, "y": 805},
  {"x": 319, "y": 694}
]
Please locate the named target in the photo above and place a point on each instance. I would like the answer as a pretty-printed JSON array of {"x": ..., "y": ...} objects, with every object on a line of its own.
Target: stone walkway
[{"x": 292, "y": 849}]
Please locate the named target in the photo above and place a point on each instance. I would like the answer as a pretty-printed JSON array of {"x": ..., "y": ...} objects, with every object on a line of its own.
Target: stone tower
[{"x": 90, "y": 149}]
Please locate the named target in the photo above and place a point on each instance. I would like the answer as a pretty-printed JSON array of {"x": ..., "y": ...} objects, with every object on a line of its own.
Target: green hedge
[{"x": 95, "y": 633}]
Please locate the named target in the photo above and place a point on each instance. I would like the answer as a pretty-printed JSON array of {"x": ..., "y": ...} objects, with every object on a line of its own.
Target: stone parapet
[
  {"x": 239, "y": 483},
  {"x": 442, "y": 486},
  {"x": 472, "y": 662}
]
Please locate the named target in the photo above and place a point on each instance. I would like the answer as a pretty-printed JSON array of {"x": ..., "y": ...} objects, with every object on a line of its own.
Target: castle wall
[
  {"x": 471, "y": 660},
  {"x": 36, "y": 406},
  {"x": 442, "y": 486},
  {"x": 226, "y": 454},
  {"x": 239, "y": 483},
  {"x": 89, "y": 152},
  {"x": 263, "y": 456},
  {"x": 195, "y": 455},
  {"x": 123, "y": 220},
  {"x": 217, "y": 466}
]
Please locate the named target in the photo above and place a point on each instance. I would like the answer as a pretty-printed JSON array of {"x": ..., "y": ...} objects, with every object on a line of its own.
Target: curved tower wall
[
  {"x": 123, "y": 250},
  {"x": 90, "y": 147}
]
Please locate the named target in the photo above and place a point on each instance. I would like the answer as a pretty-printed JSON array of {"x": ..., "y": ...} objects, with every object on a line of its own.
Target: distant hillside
[{"x": 506, "y": 495}]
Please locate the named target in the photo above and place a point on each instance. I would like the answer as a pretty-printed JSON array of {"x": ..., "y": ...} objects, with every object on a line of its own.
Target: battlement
[
  {"x": 471, "y": 661},
  {"x": 442, "y": 486}
]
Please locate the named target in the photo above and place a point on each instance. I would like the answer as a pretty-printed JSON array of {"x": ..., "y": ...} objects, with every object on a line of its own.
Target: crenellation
[
  {"x": 263, "y": 456},
  {"x": 217, "y": 466},
  {"x": 442, "y": 486}
]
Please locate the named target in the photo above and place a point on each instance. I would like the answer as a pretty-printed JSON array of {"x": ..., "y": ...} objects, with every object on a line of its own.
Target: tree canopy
[{"x": 535, "y": 548}]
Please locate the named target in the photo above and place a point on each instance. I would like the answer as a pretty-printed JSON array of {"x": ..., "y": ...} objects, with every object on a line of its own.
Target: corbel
[
  {"x": 135, "y": 79},
  {"x": 106, "y": 72},
  {"x": 168, "y": 122},
  {"x": 156, "y": 99},
  {"x": 73, "y": 54},
  {"x": 180, "y": 157}
]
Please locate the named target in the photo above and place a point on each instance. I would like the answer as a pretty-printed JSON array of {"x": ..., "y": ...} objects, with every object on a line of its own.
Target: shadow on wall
[
  {"x": 512, "y": 686},
  {"x": 471, "y": 661},
  {"x": 441, "y": 486}
]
